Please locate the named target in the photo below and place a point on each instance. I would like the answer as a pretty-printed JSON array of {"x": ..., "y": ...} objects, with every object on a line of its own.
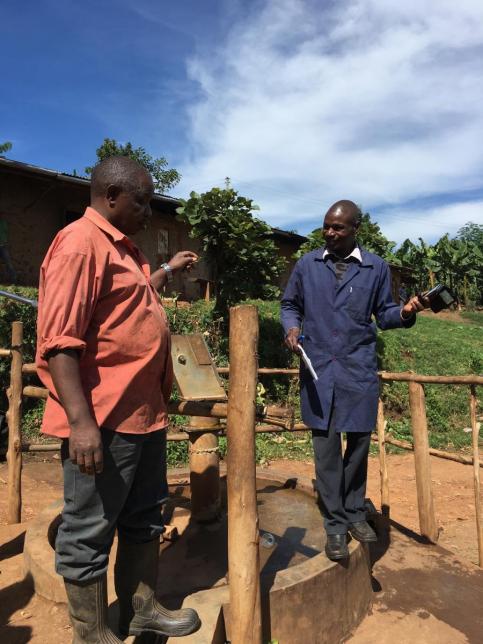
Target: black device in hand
[{"x": 439, "y": 297}]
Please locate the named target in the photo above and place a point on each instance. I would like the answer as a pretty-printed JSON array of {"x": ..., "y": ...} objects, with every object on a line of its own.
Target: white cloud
[
  {"x": 306, "y": 102},
  {"x": 430, "y": 223}
]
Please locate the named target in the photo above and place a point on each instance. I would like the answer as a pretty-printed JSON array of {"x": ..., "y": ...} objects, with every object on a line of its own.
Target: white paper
[{"x": 308, "y": 364}]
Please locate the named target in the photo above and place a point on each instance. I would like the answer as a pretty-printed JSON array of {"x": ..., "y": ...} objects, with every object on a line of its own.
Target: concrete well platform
[{"x": 306, "y": 597}]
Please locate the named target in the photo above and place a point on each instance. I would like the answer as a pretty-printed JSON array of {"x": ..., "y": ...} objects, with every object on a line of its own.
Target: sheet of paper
[{"x": 307, "y": 362}]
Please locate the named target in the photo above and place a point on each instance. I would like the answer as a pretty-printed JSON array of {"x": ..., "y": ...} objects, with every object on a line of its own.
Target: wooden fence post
[
  {"x": 427, "y": 519},
  {"x": 476, "y": 473},
  {"x": 381, "y": 436},
  {"x": 14, "y": 418},
  {"x": 243, "y": 536}
]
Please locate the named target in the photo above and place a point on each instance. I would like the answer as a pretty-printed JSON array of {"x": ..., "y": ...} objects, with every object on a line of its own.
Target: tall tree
[
  {"x": 164, "y": 178},
  {"x": 461, "y": 262},
  {"x": 239, "y": 247},
  {"x": 455, "y": 262},
  {"x": 372, "y": 239},
  {"x": 5, "y": 147},
  {"x": 471, "y": 232}
]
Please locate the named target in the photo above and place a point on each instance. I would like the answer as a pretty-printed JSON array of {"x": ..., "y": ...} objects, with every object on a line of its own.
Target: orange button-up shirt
[{"x": 95, "y": 296}]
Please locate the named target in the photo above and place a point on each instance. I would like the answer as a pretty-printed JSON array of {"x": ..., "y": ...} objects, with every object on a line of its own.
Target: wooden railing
[{"x": 275, "y": 421}]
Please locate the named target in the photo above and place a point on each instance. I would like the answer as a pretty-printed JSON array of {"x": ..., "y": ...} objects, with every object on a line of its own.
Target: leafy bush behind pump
[{"x": 244, "y": 259}]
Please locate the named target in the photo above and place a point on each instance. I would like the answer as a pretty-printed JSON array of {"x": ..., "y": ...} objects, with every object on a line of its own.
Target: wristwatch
[{"x": 168, "y": 270}]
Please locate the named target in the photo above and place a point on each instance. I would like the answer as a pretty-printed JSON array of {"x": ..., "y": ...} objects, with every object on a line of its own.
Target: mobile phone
[{"x": 440, "y": 297}]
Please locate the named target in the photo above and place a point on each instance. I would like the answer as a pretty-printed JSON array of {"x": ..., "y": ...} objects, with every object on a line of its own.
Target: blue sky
[{"x": 300, "y": 102}]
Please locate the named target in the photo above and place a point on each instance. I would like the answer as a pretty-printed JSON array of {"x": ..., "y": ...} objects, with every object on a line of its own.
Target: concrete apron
[{"x": 306, "y": 597}]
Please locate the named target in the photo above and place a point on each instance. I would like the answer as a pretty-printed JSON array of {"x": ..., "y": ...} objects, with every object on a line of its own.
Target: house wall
[
  {"x": 36, "y": 207},
  {"x": 164, "y": 221},
  {"x": 287, "y": 250}
]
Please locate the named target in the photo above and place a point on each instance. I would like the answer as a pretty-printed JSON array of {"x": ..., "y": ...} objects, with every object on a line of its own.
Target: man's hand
[
  {"x": 85, "y": 447},
  {"x": 292, "y": 340},
  {"x": 413, "y": 306},
  {"x": 183, "y": 260}
]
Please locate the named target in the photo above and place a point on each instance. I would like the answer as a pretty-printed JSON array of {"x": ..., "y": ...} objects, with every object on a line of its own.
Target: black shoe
[
  {"x": 336, "y": 547},
  {"x": 363, "y": 532}
]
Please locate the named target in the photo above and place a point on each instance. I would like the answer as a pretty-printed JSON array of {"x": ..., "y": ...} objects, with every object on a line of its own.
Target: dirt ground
[{"x": 24, "y": 617}]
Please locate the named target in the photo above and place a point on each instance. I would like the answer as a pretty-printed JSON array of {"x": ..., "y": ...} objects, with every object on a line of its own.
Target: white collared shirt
[{"x": 356, "y": 254}]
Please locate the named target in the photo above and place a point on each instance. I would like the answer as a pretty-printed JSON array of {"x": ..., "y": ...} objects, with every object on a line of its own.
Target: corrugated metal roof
[
  {"x": 63, "y": 176},
  {"x": 278, "y": 232}
]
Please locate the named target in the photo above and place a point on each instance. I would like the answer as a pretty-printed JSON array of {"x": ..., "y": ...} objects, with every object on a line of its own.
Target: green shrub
[{"x": 10, "y": 311}]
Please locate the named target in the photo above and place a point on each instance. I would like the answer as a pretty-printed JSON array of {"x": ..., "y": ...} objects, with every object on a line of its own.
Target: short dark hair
[
  {"x": 119, "y": 171},
  {"x": 349, "y": 207}
]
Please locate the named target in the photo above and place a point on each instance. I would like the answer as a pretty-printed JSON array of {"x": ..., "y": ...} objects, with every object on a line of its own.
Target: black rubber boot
[
  {"x": 88, "y": 612},
  {"x": 135, "y": 576}
]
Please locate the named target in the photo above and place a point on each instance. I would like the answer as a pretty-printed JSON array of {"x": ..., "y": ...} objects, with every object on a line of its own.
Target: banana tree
[{"x": 417, "y": 258}]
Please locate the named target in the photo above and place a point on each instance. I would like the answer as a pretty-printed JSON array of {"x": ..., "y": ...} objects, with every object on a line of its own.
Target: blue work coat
[{"x": 340, "y": 336}]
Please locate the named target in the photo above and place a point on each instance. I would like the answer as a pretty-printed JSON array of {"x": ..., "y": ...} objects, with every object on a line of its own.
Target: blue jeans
[{"x": 127, "y": 495}]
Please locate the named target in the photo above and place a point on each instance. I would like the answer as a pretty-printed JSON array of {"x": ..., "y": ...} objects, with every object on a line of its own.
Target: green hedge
[{"x": 11, "y": 311}]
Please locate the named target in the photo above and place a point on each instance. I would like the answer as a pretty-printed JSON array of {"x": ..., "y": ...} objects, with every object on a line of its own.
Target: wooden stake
[
  {"x": 41, "y": 447},
  {"x": 243, "y": 553},
  {"x": 381, "y": 436},
  {"x": 31, "y": 391},
  {"x": 14, "y": 418},
  {"x": 29, "y": 367},
  {"x": 476, "y": 473},
  {"x": 427, "y": 519}
]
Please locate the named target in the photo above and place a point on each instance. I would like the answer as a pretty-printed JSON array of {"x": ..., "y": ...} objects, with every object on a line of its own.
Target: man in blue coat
[{"x": 332, "y": 294}]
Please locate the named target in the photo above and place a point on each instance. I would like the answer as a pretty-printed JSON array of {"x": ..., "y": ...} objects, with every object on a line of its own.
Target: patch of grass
[
  {"x": 475, "y": 317},
  {"x": 268, "y": 447},
  {"x": 31, "y": 423},
  {"x": 177, "y": 453},
  {"x": 435, "y": 347},
  {"x": 291, "y": 445}
]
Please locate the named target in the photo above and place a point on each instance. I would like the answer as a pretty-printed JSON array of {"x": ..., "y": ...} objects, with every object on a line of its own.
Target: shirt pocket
[{"x": 359, "y": 303}]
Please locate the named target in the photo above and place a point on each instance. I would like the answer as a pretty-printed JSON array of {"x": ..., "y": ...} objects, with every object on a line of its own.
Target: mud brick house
[{"x": 38, "y": 202}]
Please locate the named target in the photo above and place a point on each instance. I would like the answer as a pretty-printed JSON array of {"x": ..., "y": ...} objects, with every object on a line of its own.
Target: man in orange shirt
[{"x": 104, "y": 354}]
